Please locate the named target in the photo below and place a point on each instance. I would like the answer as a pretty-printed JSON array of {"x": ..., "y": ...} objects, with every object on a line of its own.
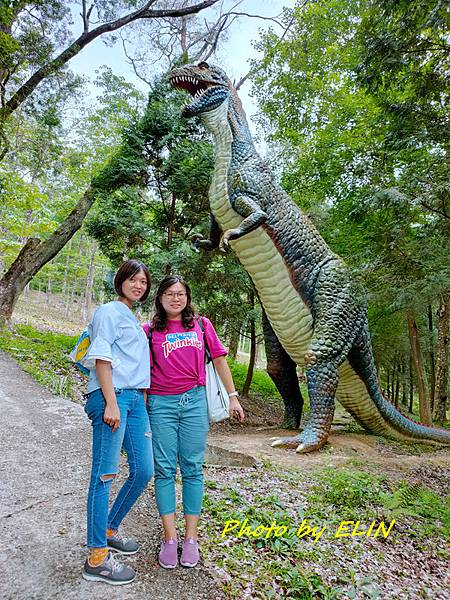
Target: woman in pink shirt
[{"x": 178, "y": 411}]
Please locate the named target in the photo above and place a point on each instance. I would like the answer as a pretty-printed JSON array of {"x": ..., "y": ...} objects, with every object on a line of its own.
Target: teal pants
[{"x": 179, "y": 424}]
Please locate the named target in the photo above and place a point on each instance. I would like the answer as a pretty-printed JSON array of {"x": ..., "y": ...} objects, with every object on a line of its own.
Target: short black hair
[{"x": 127, "y": 270}]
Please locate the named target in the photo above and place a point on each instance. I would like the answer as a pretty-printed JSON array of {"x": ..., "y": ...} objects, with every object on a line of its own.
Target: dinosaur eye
[{"x": 203, "y": 65}]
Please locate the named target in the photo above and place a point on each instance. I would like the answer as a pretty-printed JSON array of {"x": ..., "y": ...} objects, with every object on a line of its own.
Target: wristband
[{"x": 233, "y": 394}]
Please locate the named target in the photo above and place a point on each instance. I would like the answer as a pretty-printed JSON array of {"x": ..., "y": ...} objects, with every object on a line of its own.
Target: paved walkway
[{"x": 44, "y": 467}]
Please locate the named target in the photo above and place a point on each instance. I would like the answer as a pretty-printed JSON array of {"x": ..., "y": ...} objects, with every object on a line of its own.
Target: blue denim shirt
[{"x": 117, "y": 337}]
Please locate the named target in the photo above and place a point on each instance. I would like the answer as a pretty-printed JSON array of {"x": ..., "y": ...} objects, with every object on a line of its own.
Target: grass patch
[
  {"x": 261, "y": 383},
  {"x": 346, "y": 494},
  {"x": 42, "y": 354},
  {"x": 256, "y": 564},
  {"x": 260, "y": 567},
  {"x": 289, "y": 565}
]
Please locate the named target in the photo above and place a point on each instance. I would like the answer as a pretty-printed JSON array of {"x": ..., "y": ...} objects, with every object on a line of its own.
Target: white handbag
[{"x": 216, "y": 394}]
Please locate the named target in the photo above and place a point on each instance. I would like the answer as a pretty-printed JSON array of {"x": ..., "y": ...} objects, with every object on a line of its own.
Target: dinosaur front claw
[
  {"x": 229, "y": 234},
  {"x": 195, "y": 241}
]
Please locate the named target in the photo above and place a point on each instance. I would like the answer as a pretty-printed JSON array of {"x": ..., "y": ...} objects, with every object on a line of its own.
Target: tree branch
[
  {"x": 133, "y": 64},
  {"x": 253, "y": 71},
  {"x": 434, "y": 210},
  {"x": 85, "y": 38}
]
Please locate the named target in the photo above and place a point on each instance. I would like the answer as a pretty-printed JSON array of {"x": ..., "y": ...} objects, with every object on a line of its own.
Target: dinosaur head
[{"x": 208, "y": 84}]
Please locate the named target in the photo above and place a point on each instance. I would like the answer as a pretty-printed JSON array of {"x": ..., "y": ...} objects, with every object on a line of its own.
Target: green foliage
[
  {"x": 405, "y": 62},
  {"x": 62, "y": 165},
  {"x": 261, "y": 382},
  {"x": 278, "y": 576},
  {"x": 44, "y": 355},
  {"x": 300, "y": 584},
  {"x": 284, "y": 566},
  {"x": 153, "y": 191},
  {"x": 346, "y": 494},
  {"x": 153, "y": 195},
  {"x": 432, "y": 511},
  {"x": 361, "y": 135}
]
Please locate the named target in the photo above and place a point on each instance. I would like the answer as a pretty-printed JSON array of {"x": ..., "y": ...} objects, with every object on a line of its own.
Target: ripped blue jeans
[{"x": 135, "y": 437}]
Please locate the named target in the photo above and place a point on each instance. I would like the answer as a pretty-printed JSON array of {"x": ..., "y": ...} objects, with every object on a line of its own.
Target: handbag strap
[
  {"x": 150, "y": 336},
  {"x": 207, "y": 352}
]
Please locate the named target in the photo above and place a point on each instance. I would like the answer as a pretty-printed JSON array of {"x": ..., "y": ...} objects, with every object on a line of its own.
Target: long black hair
[{"x": 159, "y": 321}]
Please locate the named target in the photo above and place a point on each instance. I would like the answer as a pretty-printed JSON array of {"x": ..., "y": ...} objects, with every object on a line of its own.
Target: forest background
[{"x": 351, "y": 102}]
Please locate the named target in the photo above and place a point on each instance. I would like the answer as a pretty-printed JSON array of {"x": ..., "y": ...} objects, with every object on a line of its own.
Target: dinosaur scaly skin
[{"x": 314, "y": 307}]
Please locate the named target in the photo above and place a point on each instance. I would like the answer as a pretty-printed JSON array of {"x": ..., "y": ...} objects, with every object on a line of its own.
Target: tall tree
[
  {"x": 125, "y": 167},
  {"x": 36, "y": 45},
  {"x": 156, "y": 223},
  {"x": 375, "y": 184},
  {"x": 441, "y": 391},
  {"x": 22, "y": 74}
]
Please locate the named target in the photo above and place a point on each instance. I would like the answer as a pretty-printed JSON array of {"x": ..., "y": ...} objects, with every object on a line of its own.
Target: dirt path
[
  {"x": 44, "y": 465},
  {"x": 44, "y": 468},
  {"x": 342, "y": 448}
]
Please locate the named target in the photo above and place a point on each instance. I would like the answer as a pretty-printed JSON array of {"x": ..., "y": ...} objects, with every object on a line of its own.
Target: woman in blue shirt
[{"x": 119, "y": 364}]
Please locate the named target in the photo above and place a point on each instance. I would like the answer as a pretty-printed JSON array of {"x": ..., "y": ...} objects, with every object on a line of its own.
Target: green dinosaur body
[{"x": 313, "y": 306}]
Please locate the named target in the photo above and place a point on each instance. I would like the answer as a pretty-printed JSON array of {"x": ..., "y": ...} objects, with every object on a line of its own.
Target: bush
[
  {"x": 42, "y": 354},
  {"x": 261, "y": 383}
]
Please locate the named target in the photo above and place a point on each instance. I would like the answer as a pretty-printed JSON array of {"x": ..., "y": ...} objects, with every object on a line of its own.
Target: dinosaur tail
[{"x": 373, "y": 411}]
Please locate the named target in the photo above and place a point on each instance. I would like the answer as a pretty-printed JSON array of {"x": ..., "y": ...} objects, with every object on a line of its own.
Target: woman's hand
[
  {"x": 111, "y": 416},
  {"x": 236, "y": 410}
]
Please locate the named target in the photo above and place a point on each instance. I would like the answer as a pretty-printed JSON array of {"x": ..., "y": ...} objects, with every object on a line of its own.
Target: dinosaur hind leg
[
  {"x": 283, "y": 372},
  {"x": 337, "y": 319}
]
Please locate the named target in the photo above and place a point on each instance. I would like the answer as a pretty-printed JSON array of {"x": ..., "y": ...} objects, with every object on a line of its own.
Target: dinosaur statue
[{"x": 314, "y": 307}]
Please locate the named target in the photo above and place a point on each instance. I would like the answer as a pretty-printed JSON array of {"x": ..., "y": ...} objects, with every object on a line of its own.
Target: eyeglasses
[{"x": 171, "y": 295}]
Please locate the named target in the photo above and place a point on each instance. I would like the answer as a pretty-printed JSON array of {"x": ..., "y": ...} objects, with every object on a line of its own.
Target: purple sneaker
[
  {"x": 189, "y": 556},
  {"x": 168, "y": 555}
]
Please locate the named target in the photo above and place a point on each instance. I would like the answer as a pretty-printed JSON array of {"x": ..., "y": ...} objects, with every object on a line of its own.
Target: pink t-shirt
[{"x": 178, "y": 356}]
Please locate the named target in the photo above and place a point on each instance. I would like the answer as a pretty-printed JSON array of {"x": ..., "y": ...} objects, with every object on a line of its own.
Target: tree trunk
[
  {"x": 404, "y": 386},
  {"x": 101, "y": 295},
  {"x": 251, "y": 362},
  {"x": 441, "y": 391},
  {"x": 74, "y": 307},
  {"x": 48, "y": 291},
  {"x": 87, "y": 305},
  {"x": 424, "y": 398},
  {"x": 66, "y": 269},
  {"x": 35, "y": 254},
  {"x": 431, "y": 356},
  {"x": 233, "y": 342},
  {"x": 411, "y": 385},
  {"x": 397, "y": 384},
  {"x": 170, "y": 220},
  {"x": 392, "y": 390}
]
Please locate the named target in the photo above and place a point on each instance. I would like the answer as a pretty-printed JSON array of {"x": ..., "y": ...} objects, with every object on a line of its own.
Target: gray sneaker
[
  {"x": 122, "y": 544},
  {"x": 110, "y": 571}
]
